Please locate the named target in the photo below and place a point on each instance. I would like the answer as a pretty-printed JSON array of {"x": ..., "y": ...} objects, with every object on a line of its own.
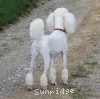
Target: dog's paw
[
  {"x": 43, "y": 81},
  {"x": 53, "y": 76},
  {"x": 44, "y": 87},
  {"x": 54, "y": 83},
  {"x": 65, "y": 76},
  {"x": 29, "y": 87},
  {"x": 65, "y": 83},
  {"x": 29, "y": 81}
]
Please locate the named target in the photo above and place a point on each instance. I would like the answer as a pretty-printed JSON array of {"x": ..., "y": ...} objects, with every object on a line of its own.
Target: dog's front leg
[
  {"x": 53, "y": 71},
  {"x": 65, "y": 70}
]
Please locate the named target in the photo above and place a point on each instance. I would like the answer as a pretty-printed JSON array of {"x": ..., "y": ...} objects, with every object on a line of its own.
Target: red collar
[{"x": 60, "y": 29}]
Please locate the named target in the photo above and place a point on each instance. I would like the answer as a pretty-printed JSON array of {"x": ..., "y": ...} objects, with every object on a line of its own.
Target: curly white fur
[
  {"x": 29, "y": 79},
  {"x": 61, "y": 15},
  {"x": 70, "y": 23},
  {"x": 44, "y": 81},
  {"x": 50, "y": 45},
  {"x": 53, "y": 76},
  {"x": 65, "y": 75},
  {"x": 36, "y": 29},
  {"x": 50, "y": 22},
  {"x": 59, "y": 12}
]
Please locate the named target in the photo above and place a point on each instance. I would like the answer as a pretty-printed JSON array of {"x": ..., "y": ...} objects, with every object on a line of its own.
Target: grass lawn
[{"x": 10, "y": 10}]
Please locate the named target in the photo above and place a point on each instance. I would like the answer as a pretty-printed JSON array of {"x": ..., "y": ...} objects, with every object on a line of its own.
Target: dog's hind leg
[
  {"x": 53, "y": 71},
  {"x": 65, "y": 70},
  {"x": 29, "y": 76},
  {"x": 46, "y": 58}
]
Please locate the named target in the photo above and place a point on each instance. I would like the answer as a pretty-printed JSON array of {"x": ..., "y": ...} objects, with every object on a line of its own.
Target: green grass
[
  {"x": 81, "y": 93},
  {"x": 10, "y": 10},
  {"x": 92, "y": 64},
  {"x": 81, "y": 72}
]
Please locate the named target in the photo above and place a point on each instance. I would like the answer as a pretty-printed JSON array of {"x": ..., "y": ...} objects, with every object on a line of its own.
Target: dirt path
[
  {"x": 15, "y": 51},
  {"x": 86, "y": 53}
]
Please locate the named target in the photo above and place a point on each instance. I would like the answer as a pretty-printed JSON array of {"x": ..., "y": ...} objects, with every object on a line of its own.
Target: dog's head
[{"x": 61, "y": 18}]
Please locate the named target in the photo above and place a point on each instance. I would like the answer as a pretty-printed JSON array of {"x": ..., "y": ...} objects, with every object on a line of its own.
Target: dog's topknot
[{"x": 60, "y": 12}]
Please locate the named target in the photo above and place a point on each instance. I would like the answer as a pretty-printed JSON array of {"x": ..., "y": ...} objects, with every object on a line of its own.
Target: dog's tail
[{"x": 36, "y": 29}]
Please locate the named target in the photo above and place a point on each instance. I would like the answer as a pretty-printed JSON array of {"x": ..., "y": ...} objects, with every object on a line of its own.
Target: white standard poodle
[{"x": 59, "y": 23}]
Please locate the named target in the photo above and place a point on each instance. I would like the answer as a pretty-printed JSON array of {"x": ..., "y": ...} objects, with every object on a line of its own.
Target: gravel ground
[{"x": 15, "y": 47}]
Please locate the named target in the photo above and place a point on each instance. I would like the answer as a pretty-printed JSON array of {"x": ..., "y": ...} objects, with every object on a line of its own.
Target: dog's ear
[
  {"x": 69, "y": 23},
  {"x": 50, "y": 22}
]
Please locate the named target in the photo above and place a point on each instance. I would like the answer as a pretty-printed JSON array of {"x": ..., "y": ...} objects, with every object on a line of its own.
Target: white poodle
[{"x": 59, "y": 23}]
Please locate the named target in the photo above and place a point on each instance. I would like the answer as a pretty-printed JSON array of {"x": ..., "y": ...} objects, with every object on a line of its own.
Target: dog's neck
[{"x": 59, "y": 23}]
